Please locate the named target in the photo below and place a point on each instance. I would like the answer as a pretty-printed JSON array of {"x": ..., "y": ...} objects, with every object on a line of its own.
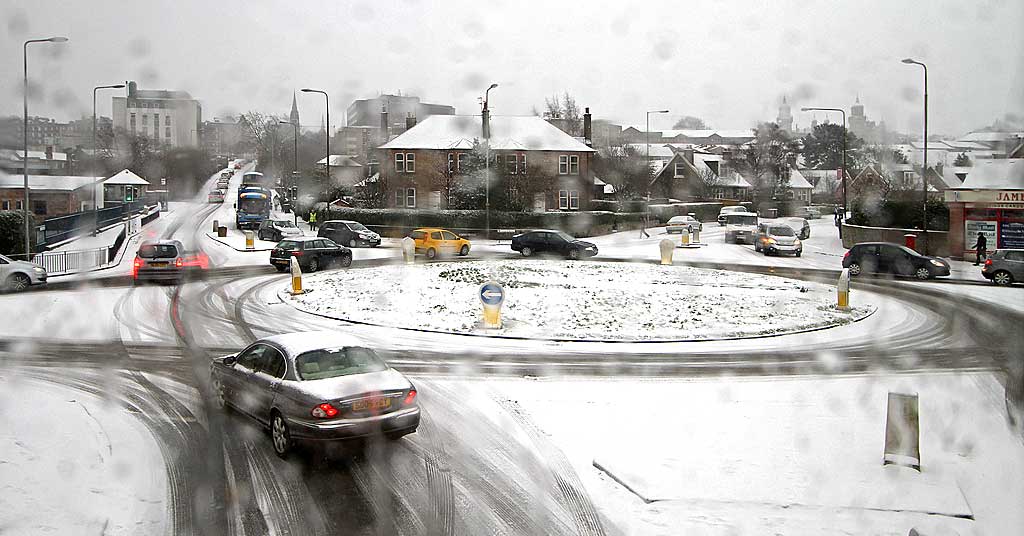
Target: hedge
[
  {"x": 398, "y": 222},
  {"x": 12, "y": 232}
]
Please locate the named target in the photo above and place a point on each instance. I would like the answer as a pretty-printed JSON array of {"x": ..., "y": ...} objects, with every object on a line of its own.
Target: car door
[
  {"x": 892, "y": 260},
  {"x": 330, "y": 251},
  {"x": 557, "y": 244},
  {"x": 1014, "y": 262},
  {"x": 265, "y": 382},
  {"x": 238, "y": 377},
  {"x": 436, "y": 241},
  {"x": 867, "y": 256},
  {"x": 451, "y": 241}
]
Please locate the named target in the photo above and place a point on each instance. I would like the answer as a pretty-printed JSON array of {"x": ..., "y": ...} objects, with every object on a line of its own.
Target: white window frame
[
  {"x": 676, "y": 170},
  {"x": 512, "y": 164},
  {"x": 563, "y": 200},
  {"x": 574, "y": 165},
  {"x": 574, "y": 200},
  {"x": 563, "y": 164},
  {"x": 6, "y": 205},
  {"x": 19, "y": 205},
  {"x": 451, "y": 163},
  {"x": 400, "y": 197},
  {"x": 522, "y": 164},
  {"x": 410, "y": 162},
  {"x": 399, "y": 162},
  {"x": 458, "y": 161},
  {"x": 410, "y": 197}
]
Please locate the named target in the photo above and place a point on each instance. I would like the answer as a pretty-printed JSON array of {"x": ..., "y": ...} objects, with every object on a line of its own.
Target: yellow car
[{"x": 433, "y": 242}]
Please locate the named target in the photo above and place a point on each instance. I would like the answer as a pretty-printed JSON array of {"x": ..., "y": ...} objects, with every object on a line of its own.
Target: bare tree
[{"x": 707, "y": 184}]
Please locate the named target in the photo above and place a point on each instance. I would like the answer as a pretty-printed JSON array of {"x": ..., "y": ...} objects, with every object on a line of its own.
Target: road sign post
[
  {"x": 296, "y": 276},
  {"x": 492, "y": 296}
]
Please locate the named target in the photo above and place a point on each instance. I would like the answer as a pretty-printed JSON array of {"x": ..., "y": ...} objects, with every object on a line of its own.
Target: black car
[
  {"x": 313, "y": 253},
  {"x": 350, "y": 233},
  {"x": 559, "y": 242},
  {"x": 890, "y": 258},
  {"x": 276, "y": 230}
]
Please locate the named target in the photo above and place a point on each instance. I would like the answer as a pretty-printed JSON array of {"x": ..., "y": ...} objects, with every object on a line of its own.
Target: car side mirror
[{"x": 230, "y": 360}]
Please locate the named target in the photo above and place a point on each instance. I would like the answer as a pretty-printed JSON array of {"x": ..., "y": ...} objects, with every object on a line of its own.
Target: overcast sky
[{"x": 727, "y": 62}]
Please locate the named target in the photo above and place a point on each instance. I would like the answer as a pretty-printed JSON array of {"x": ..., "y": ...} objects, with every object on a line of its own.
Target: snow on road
[
  {"x": 795, "y": 455},
  {"x": 98, "y": 471},
  {"x": 578, "y": 300}
]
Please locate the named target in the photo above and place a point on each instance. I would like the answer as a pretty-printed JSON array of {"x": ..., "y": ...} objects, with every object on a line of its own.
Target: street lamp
[
  {"x": 843, "y": 171},
  {"x": 28, "y": 226},
  {"x": 487, "y": 159},
  {"x": 924, "y": 165},
  {"x": 95, "y": 152},
  {"x": 295, "y": 165},
  {"x": 647, "y": 138},
  {"x": 327, "y": 105}
]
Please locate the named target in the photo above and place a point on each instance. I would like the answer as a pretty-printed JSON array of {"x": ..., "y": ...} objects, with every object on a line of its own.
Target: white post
[
  {"x": 667, "y": 247},
  {"x": 409, "y": 250},
  {"x": 296, "y": 277}
]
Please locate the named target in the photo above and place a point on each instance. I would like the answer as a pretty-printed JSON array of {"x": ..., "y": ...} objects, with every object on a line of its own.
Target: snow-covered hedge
[{"x": 398, "y": 222}]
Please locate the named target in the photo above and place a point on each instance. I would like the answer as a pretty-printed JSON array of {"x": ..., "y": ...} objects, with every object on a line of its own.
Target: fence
[
  {"x": 54, "y": 230},
  {"x": 66, "y": 262}
]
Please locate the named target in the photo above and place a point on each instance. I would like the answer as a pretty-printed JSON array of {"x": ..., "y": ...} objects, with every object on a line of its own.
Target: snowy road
[{"x": 476, "y": 465}]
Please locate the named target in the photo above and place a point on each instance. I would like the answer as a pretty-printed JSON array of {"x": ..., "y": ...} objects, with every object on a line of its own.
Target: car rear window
[
  {"x": 418, "y": 235},
  {"x": 334, "y": 362},
  {"x": 289, "y": 245},
  {"x": 156, "y": 251}
]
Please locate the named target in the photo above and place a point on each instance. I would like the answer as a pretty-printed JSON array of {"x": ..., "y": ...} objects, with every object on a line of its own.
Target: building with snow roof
[
  {"x": 990, "y": 201},
  {"x": 167, "y": 117},
  {"x": 345, "y": 169},
  {"x": 532, "y": 160}
]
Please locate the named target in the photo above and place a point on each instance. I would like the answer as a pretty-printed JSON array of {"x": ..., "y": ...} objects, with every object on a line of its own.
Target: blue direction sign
[{"x": 492, "y": 293}]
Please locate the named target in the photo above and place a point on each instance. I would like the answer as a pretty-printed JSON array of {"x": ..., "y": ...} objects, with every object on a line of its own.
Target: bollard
[
  {"x": 902, "y": 431},
  {"x": 843, "y": 290},
  {"x": 492, "y": 296},
  {"x": 296, "y": 276},
  {"x": 684, "y": 237},
  {"x": 250, "y": 240},
  {"x": 667, "y": 247},
  {"x": 696, "y": 236},
  {"x": 409, "y": 250},
  {"x": 222, "y": 231},
  {"x": 216, "y": 224}
]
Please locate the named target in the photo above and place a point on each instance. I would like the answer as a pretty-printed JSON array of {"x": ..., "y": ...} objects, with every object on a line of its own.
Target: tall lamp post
[
  {"x": 486, "y": 113},
  {"x": 327, "y": 105},
  {"x": 843, "y": 171},
  {"x": 28, "y": 225},
  {"x": 95, "y": 152},
  {"x": 924, "y": 165},
  {"x": 647, "y": 138},
  {"x": 295, "y": 165}
]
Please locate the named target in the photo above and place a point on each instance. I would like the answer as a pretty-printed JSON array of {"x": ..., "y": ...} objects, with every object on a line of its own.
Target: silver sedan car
[{"x": 315, "y": 387}]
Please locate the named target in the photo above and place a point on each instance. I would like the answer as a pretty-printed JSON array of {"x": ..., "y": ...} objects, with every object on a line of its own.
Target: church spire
[{"x": 293, "y": 117}]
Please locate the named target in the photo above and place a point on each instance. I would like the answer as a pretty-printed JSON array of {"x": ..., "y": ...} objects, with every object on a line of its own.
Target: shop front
[{"x": 998, "y": 214}]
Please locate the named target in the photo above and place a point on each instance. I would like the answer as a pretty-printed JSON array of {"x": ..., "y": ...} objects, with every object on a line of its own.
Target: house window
[
  {"x": 410, "y": 162},
  {"x": 679, "y": 170},
  {"x": 908, "y": 177},
  {"x": 19, "y": 205},
  {"x": 400, "y": 162},
  {"x": 145, "y": 120},
  {"x": 167, "y": 120},
  {"x": 563, "y": 199},
  {"x": 522, "y": 164},
  {"x": 6, "y": 205},
  {"x": 498, "y": 161},
  {"x": 574, "y": 165},
  {"x": 451, "y": 163},
  {"x": 458, "y": 161},
  {"x": 410, "y": 197},
  {"x": 400, "y": 197},
  {"x": 574, "y": 200},
  {"x": 563, "y": 164},
  {"x": 167, "y": 133},
  {"x": 132, "y": 123},
  {"x": 568, "y": 200}
]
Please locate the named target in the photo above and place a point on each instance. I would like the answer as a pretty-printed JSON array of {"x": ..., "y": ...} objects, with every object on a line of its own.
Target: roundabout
[{"x": 577, "y": 301}]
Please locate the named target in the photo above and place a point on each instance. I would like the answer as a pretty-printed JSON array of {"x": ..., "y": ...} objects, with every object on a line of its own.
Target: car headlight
[
  {"x": 796, "y": 242},
  {"x": 937, "y": 263},
  {"x": 39, "y": 270},
  {"x": 770, "y": 241}
]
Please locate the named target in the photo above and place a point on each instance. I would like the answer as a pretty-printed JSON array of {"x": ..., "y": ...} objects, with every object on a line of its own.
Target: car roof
[
  {"x": 431, "y": 229},
  {"x": 297, "y": 343},
  {"x": 341, "y": 221},
  {"x": 161, "y": 242},
  {"x": 304, "y": 238}
]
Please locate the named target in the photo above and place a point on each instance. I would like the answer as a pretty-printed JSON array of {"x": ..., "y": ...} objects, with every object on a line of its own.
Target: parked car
[
  {"x": 433, "y": 242},
  {"x": 166, "y": 260},
  {"x": 776, "y": 239},
  {"x": 740, "y": 227},
  {"x": 16, "y": 276},
  {"x": 276, "y": 230},
  {"x": 316, "y": 387},
  {"x": 312, "y": 253},
  {"x": 799, "y": 226},
  {"x": 1004, "y": 266},
  {"x": 891, "y": 258},
  {"x": 678, "y": 224},
  {"x": 548, "y": 241},
  {"x": 215, "y": 196},
  {"x": 809, "y": 213},
  {"x": 350, "y": 233},
  {"x": 724, "y": 211}
]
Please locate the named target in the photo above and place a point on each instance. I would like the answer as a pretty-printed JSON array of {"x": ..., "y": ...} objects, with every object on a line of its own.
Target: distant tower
[
  {"x": 323, "y": 125},
  {"x": 293, "y": 117},
  {"x": 785, "y": 118}
]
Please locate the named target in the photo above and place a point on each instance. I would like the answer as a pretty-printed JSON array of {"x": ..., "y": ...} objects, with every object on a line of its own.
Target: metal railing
[{"x": 66, "y": 262}]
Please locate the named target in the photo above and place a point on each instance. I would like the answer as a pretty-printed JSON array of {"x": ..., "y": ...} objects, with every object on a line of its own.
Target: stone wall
[{"x": 938, "y": 241}]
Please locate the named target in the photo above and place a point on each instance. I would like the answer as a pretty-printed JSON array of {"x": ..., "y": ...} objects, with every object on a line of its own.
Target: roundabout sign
[{"x": 492, "y": 295}]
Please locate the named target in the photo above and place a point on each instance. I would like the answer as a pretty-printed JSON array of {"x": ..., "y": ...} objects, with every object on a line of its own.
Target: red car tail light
[
  {"x": 325, "y": 411},
  {"x": 846, "y": 256},
  {"x": 296, "y": 254},
  {"x": 410, "y": 398},
  {"x": 135, "y": 267},
  {"x": 179, "y": 262},
  {"x": 988, "y": 262}
]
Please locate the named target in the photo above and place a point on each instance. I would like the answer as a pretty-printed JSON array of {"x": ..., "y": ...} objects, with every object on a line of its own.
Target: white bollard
[
  {"x": 843, "y": 290},
  {"x": 409, "y": 250},
  {"x": 296, "y": 277},
  {"x": 667, "y": 247}
]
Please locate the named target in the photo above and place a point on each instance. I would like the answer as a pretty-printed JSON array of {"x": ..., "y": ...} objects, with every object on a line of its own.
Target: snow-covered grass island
[{"x": 582, "y": 300}]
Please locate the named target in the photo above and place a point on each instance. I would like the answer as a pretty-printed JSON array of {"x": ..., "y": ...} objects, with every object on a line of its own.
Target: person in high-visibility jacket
[{"x": 312, "y": 220}]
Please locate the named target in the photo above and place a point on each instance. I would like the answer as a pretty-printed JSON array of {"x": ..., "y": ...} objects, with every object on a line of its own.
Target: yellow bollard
[
  {"x": 492, "y": 317},
  {"x": 685, "y": 237},
  {"x": 667, "y": 247},
  {"x": 843, "y": 291},
  {"x": 250, "y": 240},
  {"x": 296, "y": 277},
  {"x": 492, "y": 295}
]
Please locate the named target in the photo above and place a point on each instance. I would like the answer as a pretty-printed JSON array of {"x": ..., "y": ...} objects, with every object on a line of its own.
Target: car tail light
[
  {"x": 846, "y": 256},
  {"x": 135, "y": 267},
  {"x": 325, "y": 411},
  {"x": 179, "y": 262},
  {"x": 410, "y": 398},
  {"x": 988, "y": 262}
]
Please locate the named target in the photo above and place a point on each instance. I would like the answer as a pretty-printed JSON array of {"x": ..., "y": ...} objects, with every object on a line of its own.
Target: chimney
[
  {"x": 132, "y": 87},
  {"x": 384, "y": 123},
  {"x": 587, "y": 128},
  {"x": 688, "y": 154},
  {"x": 49, "y": 152},
  {"x": 410, "y": 121}
]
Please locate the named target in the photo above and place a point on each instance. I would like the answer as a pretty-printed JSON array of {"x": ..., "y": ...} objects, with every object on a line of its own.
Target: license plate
[
  {"x": 371, "y": 403},
  {"x": 158, "y": 264}
]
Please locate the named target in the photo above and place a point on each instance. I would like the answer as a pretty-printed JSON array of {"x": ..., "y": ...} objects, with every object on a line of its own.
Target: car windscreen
[
  {"x": 781, "y": 230},
  {"x": 741, "y": 219},
  {"x": 283, "y": 223},
  {"x": 289, "y": 245},
  {"x": 334, "y": 362},
  {"x": 155, "y": 251},
  {"x": 358, "y": 227},
  {"x": 252, "y": 205},
  {"x": 565, "y": 236}
]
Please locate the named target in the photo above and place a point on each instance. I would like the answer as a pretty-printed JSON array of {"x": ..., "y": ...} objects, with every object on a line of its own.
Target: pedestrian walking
[
  {"x": 312, "y": 220},
  {"x": 643, "y": 228},
  {"x": 839, "y": 223},
  {"x": 980, "y": 249}
]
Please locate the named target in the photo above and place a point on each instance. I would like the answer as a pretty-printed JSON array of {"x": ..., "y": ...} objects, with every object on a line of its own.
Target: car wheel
[
  {"x": 922, "y": 273},
  {"x": 352, "y": 243},
  {"x": 465, "y": 250},
  {"x": 346, "y": 261},
  {"x": 18, "y": 282},
  {"x": 314, "y": 265},
  {"x": 854, "y": 268},
  {"x": 574, "y": 254},
  {"x": 757, "y": 248},
  {"x": 798, "y": 253},
  {"x": 431, "y": 253},
  {"x": 527, "y": 251},
  {"x": 279, "y": 434},
  {"x": 259, "y": 235},
  {"x": 1002, "y": 278}
]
